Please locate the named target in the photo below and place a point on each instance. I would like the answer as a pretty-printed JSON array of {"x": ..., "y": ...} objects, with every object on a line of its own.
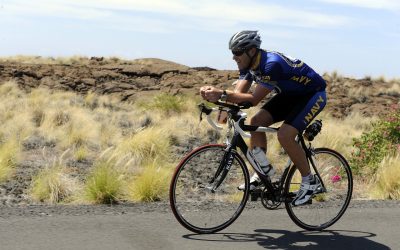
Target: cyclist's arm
[
  {"x": 259, "y": 93},
  {"x": 242, "y": 86}
]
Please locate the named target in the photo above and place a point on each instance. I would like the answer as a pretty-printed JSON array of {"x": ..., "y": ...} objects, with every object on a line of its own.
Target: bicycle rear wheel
[
  {"x": 325, "y": 208},
  {"x": 195, "y": 205}
]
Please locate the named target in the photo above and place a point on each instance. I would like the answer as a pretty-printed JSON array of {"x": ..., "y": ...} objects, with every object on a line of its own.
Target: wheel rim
[
  {"x": 194, "y": 204},
  {"x": 325, "y": 208}
]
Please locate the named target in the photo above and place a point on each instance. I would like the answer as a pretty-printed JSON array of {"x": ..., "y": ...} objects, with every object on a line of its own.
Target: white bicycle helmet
[{"x": 244, "y": 40}]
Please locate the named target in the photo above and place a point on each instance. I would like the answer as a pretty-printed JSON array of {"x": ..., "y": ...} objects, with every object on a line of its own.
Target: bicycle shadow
[{"x": 282, "y": 239}]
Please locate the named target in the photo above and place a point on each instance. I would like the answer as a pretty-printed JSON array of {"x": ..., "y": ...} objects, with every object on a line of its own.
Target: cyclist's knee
[
  {"x": 287, "y": 134},
  {"x": 262, "y": 118},
  {"x": 255, "y": 121}
]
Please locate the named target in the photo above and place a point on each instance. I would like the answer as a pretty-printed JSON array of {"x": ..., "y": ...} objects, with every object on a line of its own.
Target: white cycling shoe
[{"x": 306, "y": 191}]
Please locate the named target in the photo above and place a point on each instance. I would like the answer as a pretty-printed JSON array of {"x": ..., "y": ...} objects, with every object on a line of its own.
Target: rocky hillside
[{"x": 128, "y": 79}]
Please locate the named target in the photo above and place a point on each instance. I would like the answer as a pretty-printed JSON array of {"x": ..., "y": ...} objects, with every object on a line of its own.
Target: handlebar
[
  {"x": 235, "y": 107},
  {"x": 232, "y": 108},
  {"x": 207, "y": 110},
  {"x": 236, "y": 115}
]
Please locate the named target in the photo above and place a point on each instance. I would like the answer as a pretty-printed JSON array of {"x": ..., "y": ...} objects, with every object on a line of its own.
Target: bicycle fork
[
  {"x": 222, "y": 171},
  {"x": 310, "y": 155}
]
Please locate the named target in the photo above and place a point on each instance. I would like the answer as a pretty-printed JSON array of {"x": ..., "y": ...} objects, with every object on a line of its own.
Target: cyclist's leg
[
  {"x": 275, "y": 110},
  {"x": 266, "y": 116},
  {"x": 262, "y": 118},
  {"x": 307, "y": 108},
  {"x": 287, "y": 138}
]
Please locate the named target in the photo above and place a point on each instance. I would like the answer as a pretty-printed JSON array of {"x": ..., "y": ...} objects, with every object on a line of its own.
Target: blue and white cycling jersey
[{"x": 286, "y": 75}]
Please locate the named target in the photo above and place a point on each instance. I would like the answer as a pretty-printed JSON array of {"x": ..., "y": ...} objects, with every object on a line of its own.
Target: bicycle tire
[
  {"x": 193, "y": 204},
  {"x": 324, "y": 209}
]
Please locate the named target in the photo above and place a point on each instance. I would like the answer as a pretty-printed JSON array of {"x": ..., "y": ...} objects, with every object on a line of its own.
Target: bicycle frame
[{"x": 236, "y": 120}]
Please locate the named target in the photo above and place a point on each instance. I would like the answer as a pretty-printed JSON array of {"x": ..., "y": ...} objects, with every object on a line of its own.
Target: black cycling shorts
[{"x": 296, "y": 110}]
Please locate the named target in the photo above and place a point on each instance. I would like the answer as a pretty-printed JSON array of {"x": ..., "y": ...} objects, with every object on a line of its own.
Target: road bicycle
[{"x": 204, "y": 194}]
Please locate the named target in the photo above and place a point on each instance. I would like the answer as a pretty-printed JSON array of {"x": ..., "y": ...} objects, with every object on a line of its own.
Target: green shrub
[
  {"x": 166, "y": 103},
  {"x": 103, "y": 185},
  {"x": 151, "y": 184},
  {"x": 374, "y": 145}
]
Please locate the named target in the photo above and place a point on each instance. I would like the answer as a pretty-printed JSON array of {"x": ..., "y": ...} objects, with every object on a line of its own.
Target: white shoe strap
[{"x": 309, "y": 186}]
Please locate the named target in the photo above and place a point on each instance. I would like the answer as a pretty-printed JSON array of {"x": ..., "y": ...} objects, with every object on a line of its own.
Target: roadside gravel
[{"x": 7, "y": 211}]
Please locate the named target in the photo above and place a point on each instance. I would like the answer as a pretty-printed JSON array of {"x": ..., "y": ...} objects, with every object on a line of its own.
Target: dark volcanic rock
[{"x": 128, "y": 78}]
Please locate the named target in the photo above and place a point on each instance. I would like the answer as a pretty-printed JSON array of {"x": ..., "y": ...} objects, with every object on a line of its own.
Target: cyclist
[{"x": 300, "y": 97}]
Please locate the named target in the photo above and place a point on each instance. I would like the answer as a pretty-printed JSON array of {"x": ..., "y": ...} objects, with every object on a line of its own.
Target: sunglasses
[{"x": 238, "y": 52}]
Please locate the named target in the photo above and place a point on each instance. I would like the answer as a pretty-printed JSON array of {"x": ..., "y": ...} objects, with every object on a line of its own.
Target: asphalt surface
[{"x": 365, "y": 225}]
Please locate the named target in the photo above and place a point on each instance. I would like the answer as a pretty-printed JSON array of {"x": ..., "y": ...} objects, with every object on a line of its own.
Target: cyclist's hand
[{"x": 210, "y": 93}]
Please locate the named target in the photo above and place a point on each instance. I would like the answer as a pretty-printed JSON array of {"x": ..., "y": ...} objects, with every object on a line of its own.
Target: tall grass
[
  {"x": 165, "y": 103},
  {"x": 394, "y": 90},
  {"x": 144, "y": 141},
  {"x": 9, "y": 156},
  {"x": 151, "y": 184},
  {"x": 148, "y": 143},
  {"x": 82, "y": 130},
  {"x": 53, "y": 185},
  {"x": 338, "y": 134},
  {"x": 387, "y": 182},
  {"x": 104, "y": 184}
]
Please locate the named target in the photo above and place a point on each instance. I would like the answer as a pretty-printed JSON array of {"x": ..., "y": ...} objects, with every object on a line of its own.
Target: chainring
[{"x": 268, "y": 200}]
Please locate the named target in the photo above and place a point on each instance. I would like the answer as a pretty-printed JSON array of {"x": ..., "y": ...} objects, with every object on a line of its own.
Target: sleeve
[{"x": 273, "y": 71}]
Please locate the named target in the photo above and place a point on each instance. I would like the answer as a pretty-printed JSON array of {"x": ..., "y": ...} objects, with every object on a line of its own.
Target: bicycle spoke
[
  {"x": 325, "y": 208},
  {"x": 196, "y": 203}
]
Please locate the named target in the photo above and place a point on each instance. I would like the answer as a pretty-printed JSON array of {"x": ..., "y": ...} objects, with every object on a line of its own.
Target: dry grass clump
[
  {"x": 148, "y": 143},
  {"x": 9, "y": 156},
  {"x": 387, "y": 182},
  {"x": 10, "y": 89},
  {"x": 104, "y": 184},
  {"x": 185, "y": 126},
  {"x": 14, "y": 115},
  {"x": 80, "y": 131},
  {"x": 333, "y": 77},
  {"x": 54, "y": 184},
  {"x": 361, "y": 94},
  {"x": 152, "y": 184},
  {"x": 81, "y": 153},
  {"x": 165, "y": 103},
  {"x": 393, "y": 90}
]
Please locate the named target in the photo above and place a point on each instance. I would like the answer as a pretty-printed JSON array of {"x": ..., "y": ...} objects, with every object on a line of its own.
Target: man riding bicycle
[{"x": 300, "y": 98}]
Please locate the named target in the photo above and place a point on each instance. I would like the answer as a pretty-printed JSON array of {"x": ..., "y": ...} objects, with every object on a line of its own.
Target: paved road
[{"x": 360, "y": 228}]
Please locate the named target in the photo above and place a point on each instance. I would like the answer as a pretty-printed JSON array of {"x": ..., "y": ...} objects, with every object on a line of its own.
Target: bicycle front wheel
[
  {"x": 325, "y": 208},
  {"x": 196, "y": 202}
]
